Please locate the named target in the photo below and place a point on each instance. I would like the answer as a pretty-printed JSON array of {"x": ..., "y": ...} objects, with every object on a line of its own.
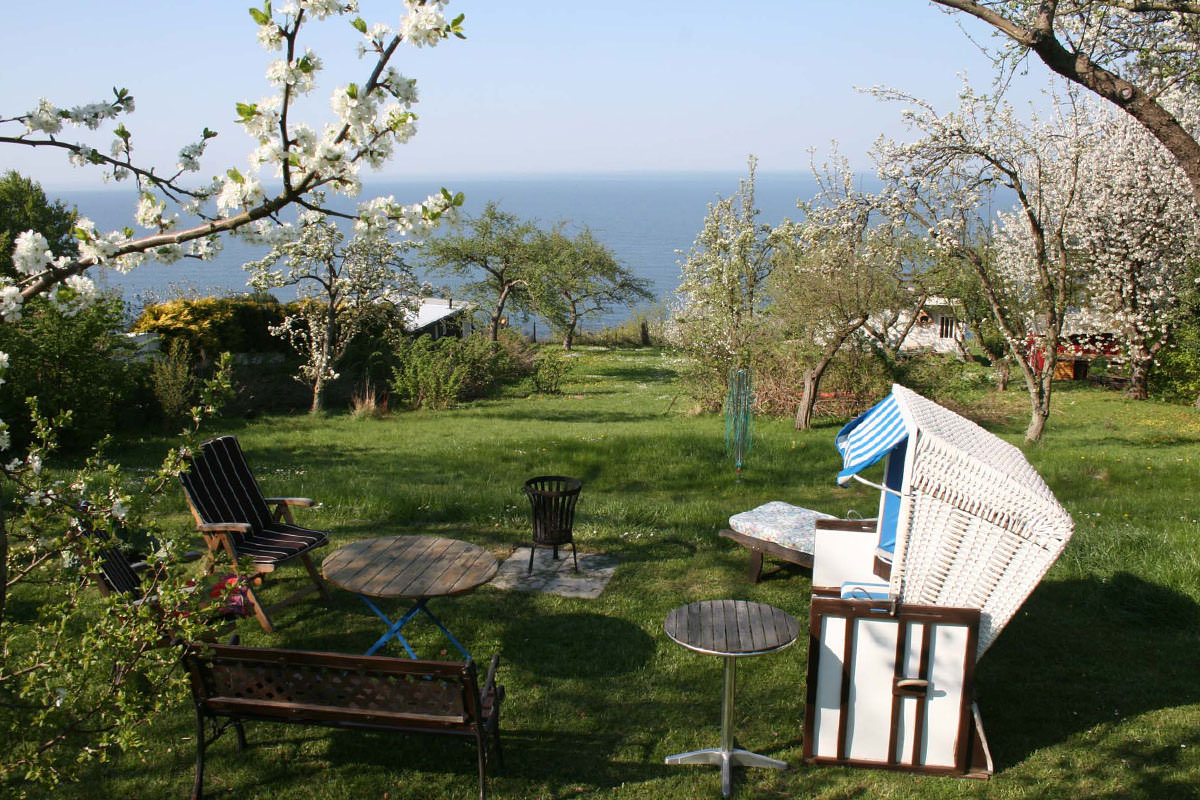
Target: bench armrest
[
  {"x": 224, "y": 527},
  {"x": 490, "y": 681},
  {"x": 301, "y": 502}
]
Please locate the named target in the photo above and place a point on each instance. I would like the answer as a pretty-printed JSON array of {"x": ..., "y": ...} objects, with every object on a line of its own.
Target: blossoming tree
[
  {"x": 1033, "y": 272},
  {"x": 722, "y": 291},
  {"x": 837, "y": 268},
  {"x": 1128, "y": 52},
  {"x": 343, "y": 284},
  {"x": 1139, "y": 232},
  {"x": 76, "y": 681}
]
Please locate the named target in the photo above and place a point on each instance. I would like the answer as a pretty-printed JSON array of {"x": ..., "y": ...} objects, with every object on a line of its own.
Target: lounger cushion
[{"x": 781, "y": 523}]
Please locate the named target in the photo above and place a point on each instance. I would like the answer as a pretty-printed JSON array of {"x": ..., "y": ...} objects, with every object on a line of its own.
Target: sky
[{"x": 538, "y": 87}]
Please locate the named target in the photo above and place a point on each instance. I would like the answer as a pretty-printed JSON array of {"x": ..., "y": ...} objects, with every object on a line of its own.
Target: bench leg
[
  {"x": 198, "y": 784},
  {"x": 481, "y": 757},
  {"x": 496, "y": 740},
  {"x": 756, "y": 562}
]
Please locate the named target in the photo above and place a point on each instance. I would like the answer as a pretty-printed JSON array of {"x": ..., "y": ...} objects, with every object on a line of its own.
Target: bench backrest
[{"x": 332, "y": 688}]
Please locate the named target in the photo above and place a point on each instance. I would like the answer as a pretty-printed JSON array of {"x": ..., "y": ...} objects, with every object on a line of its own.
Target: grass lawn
[{"x": 1093, "y": 691}]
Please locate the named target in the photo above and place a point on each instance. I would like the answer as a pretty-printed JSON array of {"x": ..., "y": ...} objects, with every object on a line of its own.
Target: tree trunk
[
  {"x": 1040, "y": 388},
  {"x": 318, "y": 390},
  {"x": 498, "y": 313},
  {"x": 1139, "y": 375},
  {"x": 1003, "y": 374},
  {"x": 1037, "y": 423},
  {"x": 808, "y": 399},
  {"x": 327, "y": 335},
  {"x": 645, "y": 331},
  {"x": 812, "y": 377}
]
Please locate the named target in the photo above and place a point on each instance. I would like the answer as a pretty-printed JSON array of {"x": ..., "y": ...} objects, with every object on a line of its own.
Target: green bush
[
  {"x": 438, "y": 374},
  {"x": 549, "y": 371},
  {"x": 172, "y": 380},
  {"x": 211, "y": 325},
  {"x": 1175, "y": 376},
  {"x": 944, "y": 378},
  {"x": 80, "y": 363}
]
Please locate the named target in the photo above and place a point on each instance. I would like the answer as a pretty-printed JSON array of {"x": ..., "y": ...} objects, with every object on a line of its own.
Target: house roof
[{"x": 432, "y": 310}]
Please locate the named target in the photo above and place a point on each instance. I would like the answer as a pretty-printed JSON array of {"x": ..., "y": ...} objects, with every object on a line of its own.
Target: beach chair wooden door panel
[{"x": 893, "y": 688}]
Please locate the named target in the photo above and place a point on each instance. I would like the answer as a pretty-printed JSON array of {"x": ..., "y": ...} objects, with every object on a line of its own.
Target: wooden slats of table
[
  {"x": 732, "y": 627},
  {"x": 409, "y": 566}
]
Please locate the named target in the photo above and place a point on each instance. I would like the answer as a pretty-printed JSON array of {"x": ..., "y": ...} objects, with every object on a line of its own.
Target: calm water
[{"x": 643, "y": 218}]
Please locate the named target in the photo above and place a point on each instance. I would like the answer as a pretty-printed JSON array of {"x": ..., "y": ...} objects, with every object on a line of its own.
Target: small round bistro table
[
  {"x": 413, "y": 567},
  {"x": 732, "y": 629}
]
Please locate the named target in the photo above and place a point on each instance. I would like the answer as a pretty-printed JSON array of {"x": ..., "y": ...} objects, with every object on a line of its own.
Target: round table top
[
  {"x": 732, "y": 627},
  {"x": 409, "y": 566}
]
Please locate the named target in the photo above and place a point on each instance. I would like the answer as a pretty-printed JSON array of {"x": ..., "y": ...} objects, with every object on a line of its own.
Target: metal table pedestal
[{"x": 727, "y": 756}]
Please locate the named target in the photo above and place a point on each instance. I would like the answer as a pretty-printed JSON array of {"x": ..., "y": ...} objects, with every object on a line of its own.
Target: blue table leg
[
  {"x": 393, "y": 631},
  {"x": 442, "y": 628}
]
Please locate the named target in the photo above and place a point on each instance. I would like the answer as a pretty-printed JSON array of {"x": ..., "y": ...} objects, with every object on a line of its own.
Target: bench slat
[{"x": 307, "y": 711}]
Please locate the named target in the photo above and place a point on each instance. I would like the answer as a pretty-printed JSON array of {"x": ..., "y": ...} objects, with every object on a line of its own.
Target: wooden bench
[{"x": 231, "y": 684}]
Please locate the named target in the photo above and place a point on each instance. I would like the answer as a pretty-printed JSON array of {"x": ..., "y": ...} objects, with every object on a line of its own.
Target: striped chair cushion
[{"x": 220, "y": 487}]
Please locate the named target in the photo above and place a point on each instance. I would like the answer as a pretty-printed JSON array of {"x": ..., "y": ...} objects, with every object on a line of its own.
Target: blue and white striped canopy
[{"x": 867, "y": 438}]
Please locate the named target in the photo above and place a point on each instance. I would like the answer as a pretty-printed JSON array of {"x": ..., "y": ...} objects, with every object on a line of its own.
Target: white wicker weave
[{"x": 978, "y": 526}]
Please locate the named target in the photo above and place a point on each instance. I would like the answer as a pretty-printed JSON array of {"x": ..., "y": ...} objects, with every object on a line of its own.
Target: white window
[{"x": 946, "y": 327}]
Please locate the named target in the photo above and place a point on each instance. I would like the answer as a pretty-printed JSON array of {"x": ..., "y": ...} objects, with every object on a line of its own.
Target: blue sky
[{"x": 538, "y": 87}]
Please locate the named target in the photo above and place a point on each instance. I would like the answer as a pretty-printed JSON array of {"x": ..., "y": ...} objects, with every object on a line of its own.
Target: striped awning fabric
[{"x": 868, "y": 438}]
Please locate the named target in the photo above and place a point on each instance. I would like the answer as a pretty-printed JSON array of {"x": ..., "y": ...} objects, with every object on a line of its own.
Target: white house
[
  {"x": 938, "y": 328},
  {"x": 438, "y": 317}
]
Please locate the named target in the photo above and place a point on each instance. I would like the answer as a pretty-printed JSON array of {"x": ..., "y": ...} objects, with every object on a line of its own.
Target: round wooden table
[
  {"x": 732, "y": 629},
  {"x": 413, "y": 567}
]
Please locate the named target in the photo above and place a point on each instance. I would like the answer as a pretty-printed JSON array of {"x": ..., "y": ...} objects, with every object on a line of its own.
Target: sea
[{"x": 648, "y": 220}]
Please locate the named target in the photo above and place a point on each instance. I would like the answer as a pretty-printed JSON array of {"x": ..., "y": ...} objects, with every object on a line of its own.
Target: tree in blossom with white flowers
[
  {"x": 841, "y": 265},
  {"x": 1140, "y": 234},
  {"x": 1132, "y": 53},
  {"x": 77, "y": 682},
  {"x": 342, "y": 285},
  {"x": 722, "y": 292},
  {"x": 1033, "y": 271}
]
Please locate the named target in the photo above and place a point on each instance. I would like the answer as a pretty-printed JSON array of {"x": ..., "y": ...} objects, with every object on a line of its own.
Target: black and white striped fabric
[{"x": 220, "y": 488}]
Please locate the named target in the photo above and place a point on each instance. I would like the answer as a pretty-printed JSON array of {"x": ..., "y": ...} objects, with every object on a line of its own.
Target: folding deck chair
[{"x": 234, "y": 517}]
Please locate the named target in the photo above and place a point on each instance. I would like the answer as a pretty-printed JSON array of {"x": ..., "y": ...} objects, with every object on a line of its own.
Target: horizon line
[{"x": 447, "y": 178}]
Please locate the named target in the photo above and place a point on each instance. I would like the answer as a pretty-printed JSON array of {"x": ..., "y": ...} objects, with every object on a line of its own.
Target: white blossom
[
  {"x": 11, "y": 304},
  {"x": 44, "y": 118},
  {"x": 238, "y": 194},
  {"x": 31, "y": 253},
  {"x": 325, "y": 8},
  {"x": 270, "y": 36},
  {"x": 424, "y": 23}
]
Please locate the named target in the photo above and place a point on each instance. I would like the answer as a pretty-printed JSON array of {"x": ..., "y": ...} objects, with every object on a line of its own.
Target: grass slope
[{"x": 1092, "y": 691}]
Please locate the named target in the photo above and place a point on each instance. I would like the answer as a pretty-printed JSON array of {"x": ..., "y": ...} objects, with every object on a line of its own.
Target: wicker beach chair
[{"x": 966, "y": 529}]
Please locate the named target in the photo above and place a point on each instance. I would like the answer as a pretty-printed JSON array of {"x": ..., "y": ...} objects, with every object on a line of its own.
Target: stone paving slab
[{"x": 555, "y": 577}]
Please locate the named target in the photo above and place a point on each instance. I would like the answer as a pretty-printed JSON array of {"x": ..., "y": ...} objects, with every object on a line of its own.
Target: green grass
[{"x": 1092, "y": 691}]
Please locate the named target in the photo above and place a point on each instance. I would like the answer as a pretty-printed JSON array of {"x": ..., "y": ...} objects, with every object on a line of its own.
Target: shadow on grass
[
  {"x": 576, "y": 645},
  {"x": 1084, "y": 653}
]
